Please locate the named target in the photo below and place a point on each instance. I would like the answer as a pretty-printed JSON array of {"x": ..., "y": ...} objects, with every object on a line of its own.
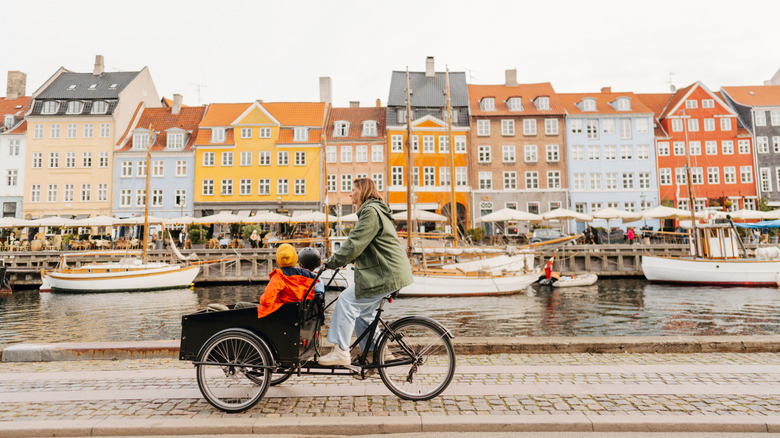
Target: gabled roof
[
  {"x": 162, "y": 119},
  {"x": 355, "y": 117},
  {"x": 656, "y": 102},
  {"x": 603, "y": 103},
  {"x": 297, "y": 113},
  {"x": 222, "y": 114},
  {"x": 59, "y": 88},
  {"x": 755, "y": 95},
  {"x": 501, "y": 93},
  {"x": 675, "y": 100},
  {"x": 428, "y": 92},
  {"x": 16, "y": 107}
]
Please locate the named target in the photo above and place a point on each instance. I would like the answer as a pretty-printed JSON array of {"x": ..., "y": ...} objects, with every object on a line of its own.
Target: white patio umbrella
[
  {"x": 772, "y": 214},
  {"x": 219, "y": 218},
  {"x": 420, "y": 215},
  {"x": 95, "y": 221},
  {"x": 53, "y": 221},
  {"x": 267, "y": 217},
  {"x": 564, "y": 214},
  {"x": 746, "y": 214},
  {"x": 664, "y": 212},
  {"x": 184, "y": 220},
  {"x": 12, "y": 222},
  {"x": 352, "y": 217},
  {"x": 139, "y": 220},
  {"x": 510, "y": 214},
  {"x": 614, "y": 213},
  {"x": 314, "y": 216}
]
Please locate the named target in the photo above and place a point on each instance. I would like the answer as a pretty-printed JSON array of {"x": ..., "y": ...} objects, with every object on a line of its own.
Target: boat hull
[
  {"x": 736, "y": 272},
  {"x": 466, "y": 286},
  {"x": 138, "y": 278},
  {"x": 580, "y": 280}
]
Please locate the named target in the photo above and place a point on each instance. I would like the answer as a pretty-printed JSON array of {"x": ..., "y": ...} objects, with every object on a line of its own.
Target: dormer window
[
  {"x": 71, "y": 87},
  {"x": 340, "y": 129},
  {"x": 92, "y": 87},
  {"x": 542, "y": 103},
  {"x": 49, "y": 107},
  {"x": 488, "y": 104},
  {"x": 9, "y": 120},
  {"x": 588, "y": 104},
  {"x": 141, "y": 140},
  {"x": 515, "y": 104},
  {"x": 369, "y": 128},
  {"x": 623, "y": 104},
  {"x": 301, "y": 134},
  {"x": 217, "y": 135},
  {"x": 175, "y": 141},
  {"x": 74, "y": 107},
  {"x": 99, "y": 107}
]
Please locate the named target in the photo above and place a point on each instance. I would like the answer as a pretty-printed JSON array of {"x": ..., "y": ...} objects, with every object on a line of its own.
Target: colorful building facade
[{"x": 13, "y": 142}]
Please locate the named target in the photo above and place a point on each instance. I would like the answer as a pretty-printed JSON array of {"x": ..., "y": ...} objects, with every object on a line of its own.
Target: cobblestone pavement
[{"x": 728, "y": 384}]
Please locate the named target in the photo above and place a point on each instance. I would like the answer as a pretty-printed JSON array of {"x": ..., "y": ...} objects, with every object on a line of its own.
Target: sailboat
[{"x": 128, "y": 274}]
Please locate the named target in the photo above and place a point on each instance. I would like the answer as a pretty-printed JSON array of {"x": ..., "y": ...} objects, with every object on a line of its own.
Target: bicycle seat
[{"x": 392, "y": 295}]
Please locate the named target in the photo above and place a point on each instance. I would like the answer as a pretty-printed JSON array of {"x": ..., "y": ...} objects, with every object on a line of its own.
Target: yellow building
[{"x": 260, "y": 156}]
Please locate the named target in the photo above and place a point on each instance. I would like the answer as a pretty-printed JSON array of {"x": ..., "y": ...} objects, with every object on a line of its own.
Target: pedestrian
[
  {"x": 381, "y": 268},
  {"x": 254, "y": 239},
  {"x": 630, "y": 235}
]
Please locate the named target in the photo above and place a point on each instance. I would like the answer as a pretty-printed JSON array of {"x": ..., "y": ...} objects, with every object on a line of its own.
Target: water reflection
[{"x": 608, "y": 308}]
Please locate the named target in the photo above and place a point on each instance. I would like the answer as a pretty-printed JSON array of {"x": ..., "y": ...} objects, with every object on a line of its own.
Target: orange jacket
[{"x": 283, "y": 289}]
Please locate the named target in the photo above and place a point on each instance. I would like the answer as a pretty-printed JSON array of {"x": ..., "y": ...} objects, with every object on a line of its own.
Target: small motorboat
[{"x": 576, "y": 280}]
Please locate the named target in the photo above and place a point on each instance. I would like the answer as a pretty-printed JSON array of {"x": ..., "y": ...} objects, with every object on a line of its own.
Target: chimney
[
  {"x": 99, "y": 67},
  {"x": 606, "y": 89},
  {"x": 326, "y": 89},
  {"x": 17, "y": 85},
  {"x": 378, "y": 103},
  {"x": 430, "y": 72},
  {"x": 511, "y": 78},
  {"x": 176, "y": 108},
  {"x": 354, "y": 104}
]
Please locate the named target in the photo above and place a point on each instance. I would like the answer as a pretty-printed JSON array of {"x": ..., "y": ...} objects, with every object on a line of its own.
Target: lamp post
[{"x": 642, "y": 205}]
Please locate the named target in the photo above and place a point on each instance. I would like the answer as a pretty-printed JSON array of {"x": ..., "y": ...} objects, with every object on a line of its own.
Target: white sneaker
[{"x": 337, "y": 356}]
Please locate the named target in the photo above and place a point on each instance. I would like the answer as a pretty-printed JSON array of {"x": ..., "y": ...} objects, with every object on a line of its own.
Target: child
[
  {"x": 287, "y": 284},
  {"x": 309, "y": 259}
]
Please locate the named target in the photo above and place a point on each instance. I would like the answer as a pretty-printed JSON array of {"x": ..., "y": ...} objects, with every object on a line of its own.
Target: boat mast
[
  {"x": 690, "y": 186},
  {"x": 325, "y": 172},
  {"x": 408, "y": 166},
  {"x": 146, "y": 208},
  {"x": 453, "y": 209}
]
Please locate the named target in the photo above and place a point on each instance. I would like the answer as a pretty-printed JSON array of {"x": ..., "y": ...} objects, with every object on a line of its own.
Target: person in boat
[
  {"x": 289, "y": 283},
  {"x": 381, "y": 268}
]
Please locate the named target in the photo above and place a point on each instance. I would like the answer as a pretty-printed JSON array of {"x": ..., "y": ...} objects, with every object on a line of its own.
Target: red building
[{"x": 699, "y": 123}]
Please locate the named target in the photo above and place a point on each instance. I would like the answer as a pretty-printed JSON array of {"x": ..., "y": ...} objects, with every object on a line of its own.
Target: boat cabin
[{"x": 715, "y": 241}]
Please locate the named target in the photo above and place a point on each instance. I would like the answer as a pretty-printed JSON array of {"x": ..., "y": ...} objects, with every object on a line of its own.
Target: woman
[
  {"x": 381, "y": 268},
  {"x": 254, "y": 239}
]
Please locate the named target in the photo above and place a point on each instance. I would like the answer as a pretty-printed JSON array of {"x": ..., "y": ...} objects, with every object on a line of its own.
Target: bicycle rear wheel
[
  {"x": 417, "y": 359},
  {"x": 234, "y": 383}
]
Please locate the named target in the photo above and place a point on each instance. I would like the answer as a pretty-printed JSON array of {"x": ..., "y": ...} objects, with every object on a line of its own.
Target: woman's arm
[{"x": 364, "y": 232}]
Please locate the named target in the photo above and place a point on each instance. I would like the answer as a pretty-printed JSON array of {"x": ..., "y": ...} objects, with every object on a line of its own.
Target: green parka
[{"x": 381, "y": 265}]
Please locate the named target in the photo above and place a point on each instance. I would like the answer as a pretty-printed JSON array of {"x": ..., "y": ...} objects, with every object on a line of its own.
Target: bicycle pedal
[{"x": 353, "y": 368}]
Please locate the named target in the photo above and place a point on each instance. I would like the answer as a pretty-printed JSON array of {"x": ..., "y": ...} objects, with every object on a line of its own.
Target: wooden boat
[{"x": 576, "y": 280}]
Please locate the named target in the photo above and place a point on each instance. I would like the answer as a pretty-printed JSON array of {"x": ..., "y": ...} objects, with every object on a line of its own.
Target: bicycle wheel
[
  {"x": 227, "y": 384},
  {"x": 419, "y": 359},
  {"x": 281, "y": 377}
]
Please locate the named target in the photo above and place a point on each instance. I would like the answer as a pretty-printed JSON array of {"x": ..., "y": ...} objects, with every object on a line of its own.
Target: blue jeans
[{"x": 352, "y": 313}]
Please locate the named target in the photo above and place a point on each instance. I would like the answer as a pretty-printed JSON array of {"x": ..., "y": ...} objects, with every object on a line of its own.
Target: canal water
[{"x": 614, "y": 307}]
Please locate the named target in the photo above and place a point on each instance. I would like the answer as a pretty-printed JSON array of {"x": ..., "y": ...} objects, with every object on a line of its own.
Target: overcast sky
[{"x": 239, "y": 51}]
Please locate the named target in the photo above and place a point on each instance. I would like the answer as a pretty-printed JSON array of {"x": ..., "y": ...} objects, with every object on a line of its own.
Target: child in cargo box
[{"x": 288, "y": 284}]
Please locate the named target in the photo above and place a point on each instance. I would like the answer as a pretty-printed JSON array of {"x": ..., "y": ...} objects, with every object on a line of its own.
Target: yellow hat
[{"x": 286, "y": 256}]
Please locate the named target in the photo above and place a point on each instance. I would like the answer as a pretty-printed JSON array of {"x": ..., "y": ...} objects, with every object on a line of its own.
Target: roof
[
  {"x": 60, "y": 87},
  {"x": 526, "y": 92},
  {"x": 755, "y": 95},
  {"x": 603, "y": 100},
  {"x": 655, "y": 101},
  {"x": 223, "y": 114},
  {"x": 675, "y": 99},
  {"x": 162, "y": 119},
  {"x": 286, "y": 136},
  {"x": 297, "y": 113},
  {"x": 428, "y": 92},
  {"x": 16, "y": 107},
  {"x": 356, "y": 117}
]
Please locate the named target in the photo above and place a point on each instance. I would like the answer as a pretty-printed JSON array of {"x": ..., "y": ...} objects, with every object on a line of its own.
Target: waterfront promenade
[{"x": 734, "y": 390}]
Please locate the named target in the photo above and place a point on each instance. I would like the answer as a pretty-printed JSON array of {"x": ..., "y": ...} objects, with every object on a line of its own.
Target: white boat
[
  {"x": 128, "y": 274},
  {"x": 716, "y": 258},
  {"x": 576, "y": 280}
]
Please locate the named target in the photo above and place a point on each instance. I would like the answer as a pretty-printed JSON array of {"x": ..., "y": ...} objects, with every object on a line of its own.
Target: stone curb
[
  {"x": 380, "y": 425},
  {"x": 464, "y": 345}
]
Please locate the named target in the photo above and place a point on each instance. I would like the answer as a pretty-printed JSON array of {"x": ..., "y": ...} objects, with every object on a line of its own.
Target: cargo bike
[{"x": 237, "y": 355}]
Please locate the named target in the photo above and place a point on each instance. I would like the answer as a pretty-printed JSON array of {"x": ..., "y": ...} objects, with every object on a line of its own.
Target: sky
[{"x": 243, "y": 50}]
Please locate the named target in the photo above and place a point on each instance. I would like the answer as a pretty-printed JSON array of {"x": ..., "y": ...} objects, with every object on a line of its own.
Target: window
[
  {"x": 105, "y": 130},
  {"x": 140, "y": 198},
  {"x": 509, "y": 155},
  {"x": 551, "y": 126},
  {"x": 730, "y": 175},
  {"x": 264, "y": 186},
  {"x": 642, "y": 126},
  {"x": 643, "y": 152},
  {"x": 713, "y": 175},
  {"x": 377, "y": 153},
  {"x": 37, "y": 160},
  {"x": 264, "y": 158},
  {"x": 553, "y": 179},
  {"x": 99, "y": 107},
  {"x": 217, "y": 135},
  {"x": 693, "y": 125},
  {"x": 181, "y": 168},
  {"x": 379, "y": 180},
  {"x": 246, "y": 132},
  {"x": 594, "y": 153},
  {"x": 396, "y": 143},
  {"x": 532, "y": 207},
  {"x": 124, "y": 198},
  {"x": 485, "y": 180},
  {"x": 54, "y": 131},
  {"x": 346, "y": 182},
  {"x": 340, "y": 129},
  {"x": 300, "y": 158},
  {"x": 244, "y": 187},
  {"x": 14, "y": 148},
  {"x": 694, "y": 147},
  {"x": 746, "y": 174},
  {"x": 595, "y": 181},
  {"x": 709, "y": 124},
  {"x": 623, "y": 104},
  {"x": 158, "y": 169},
  {"x": 180, "y": 197},
  {"x": 691, "y": 103},
  {"x": 576, "y": 126},
  {"x": 677, "y": 125},
  {"x": 12, "y": 177},
  {"x": 35, "y": 193},
  {"x": 483, "y": 128},
  {"x": 644, "y": 180},
  {"x": 749, "y": 204},
  {"x": 488, "y": 104},
  {"x": 227, "y": 159},
  {"x": 553, "y": 153},
  {"x": 461, "y": 176},
  {"x": 103, "y": 160},
  {"x": 444, "y": 144},
  {"x": 175, "y": 141},
  {"x": 529, "y": 127},
  {"x": 665, "y": 176},
  {"x": 708, "y": 103},
  {"x": 728, "y": 147},
  {"x": 589, "y": 104},
  {"x": 70, "y": 159},
  {"x": 226, "y": 187},
  {"x": 71, "y": 132},
  {"x": 777, "y": 176},
  {"x": 300, "y": 187},
  {"x": 578, "y": 181},
  {"x": 680, "y": 176},
  {"x": 711, "y": 147},
  {"x": 510, "y": 180},
  {"x": 765, "y": 179},
  {"x": 776, "y": 144},
  {"x": 86, "y": 192},
  {"x": 608, "y": 126},
  {"x": 301, "y": 134},
  {"x": 429, "y": 176},
  {"x": 626, "y": 152},
  {"x": 444, "y": 176},
  {"x": 428, "y": 144},
  {"x": 140, "y": 140},
  {"x": 611, "y": 180},
  {"x": 208, "y": 159},
  {"x": 54, "y": 160},
  {"x": 140, "y": 169},
  {"x": 542, "y": 103},
  {"x": 282, "y": 158},
  {"x": 578, "y": 153},
  {"x": 265, "y": 133},
  {"x": 697, "y": 176},
  {"x": 725, "y": 124},
  {"x": 415, "y": 176},
  {"x": 330, "y": 154},
  {"x": 592, "y": 129},
  {"x": 774, "y": 118},
  {"x": 369, "y": 128},
  {"x": 208, "y": 187},
  {"x": 507, "y": 127},
  {"x": 625, "y": 129},
  {"x": 157, "y": 198},
  {"x": 346, "y": 154},
  {"x": 49, "y": 107},
  {"x": 762, "y": 145},
  {"x": 51, "y": 193},
  {"x": 245, "y": 158},
  {"x": 396, "y": 176},
  {"x": 531, "y": 153},
  {"x": 515, "y": 104},
  {"x": 760, "y": 117},
  {"x": 38, "y": 131},
  {"x": 361, "y": 154},
  {"x": 743, "y": 146},
  {"x": 679, "y": 148}
]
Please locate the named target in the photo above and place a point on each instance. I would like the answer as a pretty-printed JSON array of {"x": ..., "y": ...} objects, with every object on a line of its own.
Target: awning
[{"x": 243, "y": 213}]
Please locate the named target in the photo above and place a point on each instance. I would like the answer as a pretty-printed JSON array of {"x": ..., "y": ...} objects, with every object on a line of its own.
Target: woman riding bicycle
[{"x": 381, "y": 268}]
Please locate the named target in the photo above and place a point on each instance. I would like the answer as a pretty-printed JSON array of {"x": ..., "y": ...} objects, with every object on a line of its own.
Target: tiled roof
[
  {"x": 428, "y": 92},
  {"x": 297, "y": 113},
  {"x": 356, "y": 117},
  {"x": 286, "y": 136},
  {"x": 755, "y": 95},
  {"x": 16, "y": 107},
  {"x": 526, "y": 92},
  {"x": 655, "y": 101},
  {"x": 603, "y": 101},
  {"x": 223, "y": 114},
  {"x": 60, "y": 88},
  {"x": 162, "y": 119},
  {"x": 675, "y": 99}
]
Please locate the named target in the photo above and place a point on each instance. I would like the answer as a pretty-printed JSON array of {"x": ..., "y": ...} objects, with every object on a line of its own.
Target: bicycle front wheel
[
  {"x": 416, "y": 358},
  {"x": 230, "y": 378}
]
